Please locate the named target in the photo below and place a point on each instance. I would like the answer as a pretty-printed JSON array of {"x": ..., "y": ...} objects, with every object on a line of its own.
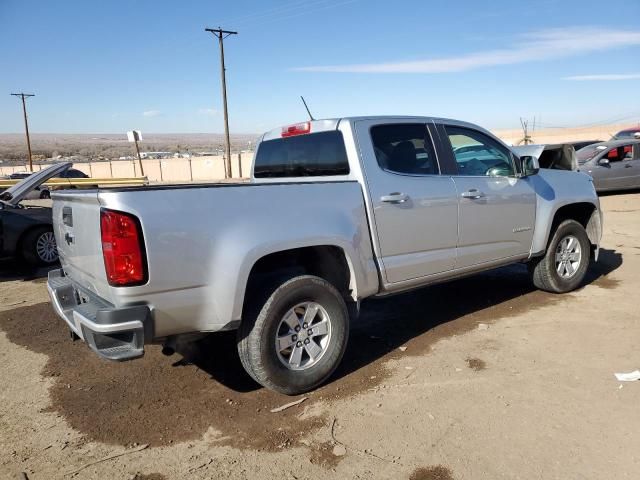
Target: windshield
[{"x": 587, "y": 153}]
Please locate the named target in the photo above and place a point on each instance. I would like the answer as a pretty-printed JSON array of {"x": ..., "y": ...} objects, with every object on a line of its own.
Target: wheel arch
[
  {"x": 20, "y": 251},
  {"x": 586, "y": 213},
  {"x": 27, "y": 231},
  {"x": 328, "y": 261}
]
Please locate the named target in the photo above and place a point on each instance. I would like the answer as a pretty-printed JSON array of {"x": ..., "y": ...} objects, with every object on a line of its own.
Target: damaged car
[
  {"x": 26, "y": 231},
  {"x": 560, "y": 156}
]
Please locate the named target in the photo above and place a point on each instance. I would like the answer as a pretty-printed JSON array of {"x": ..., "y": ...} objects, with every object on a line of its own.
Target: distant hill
[
  {"x": 113, "y": 146},
  {"x": 110, "y": 146}
]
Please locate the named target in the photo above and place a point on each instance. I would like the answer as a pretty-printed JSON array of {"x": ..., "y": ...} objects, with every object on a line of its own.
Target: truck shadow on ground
[
  {"x": 12, "y": 269},
  {"x": 162, "y": 400},
  {"x": 415, "y": 319}
]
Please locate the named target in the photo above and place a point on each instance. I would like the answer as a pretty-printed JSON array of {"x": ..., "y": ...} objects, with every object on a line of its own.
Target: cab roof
[{"x": 323, "y": 125}]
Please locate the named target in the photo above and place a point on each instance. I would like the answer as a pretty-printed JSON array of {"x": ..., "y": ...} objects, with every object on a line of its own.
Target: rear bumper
[{"x": 113, "y": 333}]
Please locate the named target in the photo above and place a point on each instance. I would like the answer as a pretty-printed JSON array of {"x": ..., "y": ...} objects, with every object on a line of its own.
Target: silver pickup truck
[{"x": 336, "y": 211}]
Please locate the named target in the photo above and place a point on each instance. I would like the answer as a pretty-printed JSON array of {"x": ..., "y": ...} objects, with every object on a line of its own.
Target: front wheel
[
  {"x": 564, "y": 265},
  {"x": 294, "y": 340}
]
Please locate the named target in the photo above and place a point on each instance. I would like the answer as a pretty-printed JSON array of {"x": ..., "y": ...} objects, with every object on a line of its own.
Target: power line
[
  {"x": 222, "y": 34},
  {"x": 598, "y": 123},
  {"x": 300, "y": 14},
  {"x": 279, "y": 9},
  {"x": 272, "y": 17},
  {"x": 23, "y": 96},
  {"x": 284, "y": 9}
]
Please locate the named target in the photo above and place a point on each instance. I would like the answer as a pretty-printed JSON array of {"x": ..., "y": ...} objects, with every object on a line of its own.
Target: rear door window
[
  {"x": 310, "y": 155},
  {"x": 405, "y": 148}
]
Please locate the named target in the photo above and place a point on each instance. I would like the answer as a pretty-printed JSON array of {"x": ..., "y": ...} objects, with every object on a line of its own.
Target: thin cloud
[
  {"x": 152, "y": 113},
  {"x": 604, "y": 77},
  {"x": 533, "y": 47},
  {"x": 207, "y": 111}
]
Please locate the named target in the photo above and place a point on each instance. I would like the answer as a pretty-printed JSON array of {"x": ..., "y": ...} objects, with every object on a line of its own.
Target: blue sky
[{"x": 110, "y": 66}]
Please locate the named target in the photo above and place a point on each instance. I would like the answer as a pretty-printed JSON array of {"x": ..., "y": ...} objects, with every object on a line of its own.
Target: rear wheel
[
  {"x": 294, "y": 340},
  {"x": 39, "y": 247},
  {"x": 566, "y": 261}
]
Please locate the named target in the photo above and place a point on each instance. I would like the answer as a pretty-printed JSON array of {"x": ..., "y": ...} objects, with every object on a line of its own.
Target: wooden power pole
[
  {"x": 139, "y": 157},
  {"x": 24, "y": 96},
  {"x": 222, "y": 34}
]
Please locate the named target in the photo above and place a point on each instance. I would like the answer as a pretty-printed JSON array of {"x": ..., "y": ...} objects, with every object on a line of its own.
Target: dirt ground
[{"x": 482, "y": 378}]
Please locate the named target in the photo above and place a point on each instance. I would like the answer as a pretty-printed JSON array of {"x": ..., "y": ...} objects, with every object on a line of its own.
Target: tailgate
[{"x": 76, "y": 224}]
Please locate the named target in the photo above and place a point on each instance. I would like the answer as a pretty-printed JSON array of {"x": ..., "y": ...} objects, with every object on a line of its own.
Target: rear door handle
[
  {"x": 473, "y": 194},
  {"x": 395, "y": 197}
]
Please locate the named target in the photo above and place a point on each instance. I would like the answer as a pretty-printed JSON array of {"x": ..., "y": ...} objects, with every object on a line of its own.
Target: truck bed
[{"x": 201, "y": 242}]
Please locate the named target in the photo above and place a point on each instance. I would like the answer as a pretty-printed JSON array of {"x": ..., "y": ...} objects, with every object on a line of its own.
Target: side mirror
[
  {"x": 529, "y": 165},
  {"x": 604, "y": 162}
]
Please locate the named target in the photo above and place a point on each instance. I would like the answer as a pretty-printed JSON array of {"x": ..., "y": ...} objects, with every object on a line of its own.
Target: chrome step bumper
[{"x": 113, "y": 333}]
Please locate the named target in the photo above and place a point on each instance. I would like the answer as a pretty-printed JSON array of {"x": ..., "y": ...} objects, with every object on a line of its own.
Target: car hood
[
  {"x": 15, "y": 194},
  {"x": 559, "y": 156},
  {"x": 528, "y": 150}
]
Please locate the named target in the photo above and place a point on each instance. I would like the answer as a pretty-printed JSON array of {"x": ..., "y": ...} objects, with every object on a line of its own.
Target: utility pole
[
  {"x": 222, "y": 34},
  {"x": 139, "y": 158},
  {"x": 135, "y": 136},
  {"x": 526, "y": 139},
  {"x": 23, "y": 96}
]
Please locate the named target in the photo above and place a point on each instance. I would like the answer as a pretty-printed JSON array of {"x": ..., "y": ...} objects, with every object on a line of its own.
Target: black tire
[
  {"x": 45, "y": 194},
  {"x": 544, "y": 270},
  {"x": 29, "y": 247},
  {"x": 260, "y": 328}
]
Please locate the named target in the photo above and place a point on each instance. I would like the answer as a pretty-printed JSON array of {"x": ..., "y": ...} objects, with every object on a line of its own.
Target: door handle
[
  {"x": 395, "y": 197},
  {"x": 473, "y": 194}
]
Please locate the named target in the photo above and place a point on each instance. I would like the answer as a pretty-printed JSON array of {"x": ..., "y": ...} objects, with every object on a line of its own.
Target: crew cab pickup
[{"x": 336, "y": 211}]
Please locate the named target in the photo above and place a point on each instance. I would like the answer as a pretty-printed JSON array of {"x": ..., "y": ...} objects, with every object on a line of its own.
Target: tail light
[
  {"x": 297, "y": 129},
  {"x": 122, "y": 248}
]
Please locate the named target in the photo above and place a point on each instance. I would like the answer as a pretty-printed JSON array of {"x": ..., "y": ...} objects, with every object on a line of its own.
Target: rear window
[{"x": 311, "y": 155}]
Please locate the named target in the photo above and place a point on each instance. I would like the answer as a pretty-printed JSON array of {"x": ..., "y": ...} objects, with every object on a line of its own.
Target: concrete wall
[{"x": 196, "y": 169}]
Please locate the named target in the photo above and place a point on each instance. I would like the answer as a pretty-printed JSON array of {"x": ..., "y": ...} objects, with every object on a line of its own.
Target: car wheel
[
  {"x": 564, "y": 265},
  {"x": 39, "y": 247},
  {"x": 294, "y": 340},
  {"x": 45, "y": 194}
]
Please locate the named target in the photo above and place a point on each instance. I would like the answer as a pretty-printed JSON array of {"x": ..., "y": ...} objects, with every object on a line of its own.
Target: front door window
[{"x": 478, "y": 155}]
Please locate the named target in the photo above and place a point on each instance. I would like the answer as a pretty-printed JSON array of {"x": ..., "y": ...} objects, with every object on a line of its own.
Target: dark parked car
[
  {"x": 26, "y": 231},
  {"x": 45, "y": 192},
  {"x": 18, "y": 175},
  {"x": 613, "y": 165}
]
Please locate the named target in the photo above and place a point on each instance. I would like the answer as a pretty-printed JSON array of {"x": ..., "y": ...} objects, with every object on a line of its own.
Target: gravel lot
[{"x": 479, "y": 378}]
